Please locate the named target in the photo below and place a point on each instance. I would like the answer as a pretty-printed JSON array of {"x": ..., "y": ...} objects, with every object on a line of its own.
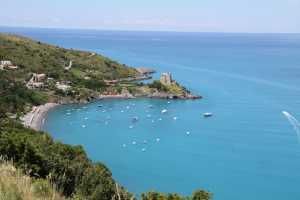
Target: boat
[
  {"x": 164, "y": 111},
  {"x": 207, "y": 114}
]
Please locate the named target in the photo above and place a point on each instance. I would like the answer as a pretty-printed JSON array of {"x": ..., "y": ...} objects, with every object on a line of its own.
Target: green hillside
[{"x": 36, "y": 57}]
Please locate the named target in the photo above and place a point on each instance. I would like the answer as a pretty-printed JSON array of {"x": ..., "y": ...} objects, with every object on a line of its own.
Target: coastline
[{"x": 35, "y": 118}]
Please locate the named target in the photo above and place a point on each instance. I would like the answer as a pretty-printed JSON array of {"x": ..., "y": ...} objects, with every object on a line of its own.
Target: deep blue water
[{"x": 247, "y": 150}]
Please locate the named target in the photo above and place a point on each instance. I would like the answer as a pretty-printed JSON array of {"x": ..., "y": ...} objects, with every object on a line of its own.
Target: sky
[{"x": 155, "y": 15}]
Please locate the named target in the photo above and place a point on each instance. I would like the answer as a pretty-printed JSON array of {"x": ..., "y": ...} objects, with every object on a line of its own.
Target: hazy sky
[{"x": 171, "y": 15}]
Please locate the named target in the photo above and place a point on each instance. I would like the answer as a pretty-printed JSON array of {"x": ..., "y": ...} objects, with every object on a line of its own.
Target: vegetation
[
  {"x": 86, "y": 74},
  {"x": 198, "y": 195},
  {"x": 14, "y": 185},
  {"x": 66, "y": 166},
  {"x": 36, "y": 57},
  {"x": 15, "y": 97},
  {"x": 159, "y": 86}
]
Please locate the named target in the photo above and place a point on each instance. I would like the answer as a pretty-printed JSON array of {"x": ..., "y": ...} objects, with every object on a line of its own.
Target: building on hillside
[
  {"x": 38, "y": 77},
  {"x": 36, "y": 81},
  {"x": 7, "y": 64},
  {"x": 62, "y": 86},
  {"x": 166, "y": 78}
]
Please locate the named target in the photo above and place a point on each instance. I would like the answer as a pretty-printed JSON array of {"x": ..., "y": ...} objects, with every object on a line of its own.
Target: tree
[{"x": 201, "y": 195}]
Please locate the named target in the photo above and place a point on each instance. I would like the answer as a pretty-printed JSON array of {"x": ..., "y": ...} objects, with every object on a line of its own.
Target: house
[
  {"x": 38, "y": 77},
  {"x": 36, "y": 81},
  {"x": 7, "y": 64},
  {"x": 62, "y": 86},
  {"x": 166, "y": 78}
]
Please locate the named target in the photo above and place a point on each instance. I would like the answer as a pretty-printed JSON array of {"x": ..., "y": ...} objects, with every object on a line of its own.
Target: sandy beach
[{"x": 35, "y": 118}]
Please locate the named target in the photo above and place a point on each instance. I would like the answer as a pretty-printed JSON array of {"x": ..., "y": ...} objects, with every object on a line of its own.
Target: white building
[
  {"x": 7, "y": 64},
  {"x": 36, "y": 81},
  {"x": 62, "y": 86}
]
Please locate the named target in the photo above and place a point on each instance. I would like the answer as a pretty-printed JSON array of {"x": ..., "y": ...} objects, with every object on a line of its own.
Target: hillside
[{"x": 36, "y": 57}]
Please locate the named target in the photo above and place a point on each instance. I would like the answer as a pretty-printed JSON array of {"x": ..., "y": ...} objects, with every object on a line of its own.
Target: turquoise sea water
[{"x": 247, "y": 150}]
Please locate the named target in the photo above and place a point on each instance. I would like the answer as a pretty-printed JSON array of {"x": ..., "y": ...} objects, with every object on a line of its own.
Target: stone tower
[{"x": 166, "y": 78}]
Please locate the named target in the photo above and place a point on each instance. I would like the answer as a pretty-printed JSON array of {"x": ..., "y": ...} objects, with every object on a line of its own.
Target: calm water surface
[{"x": 247, "y": 150}]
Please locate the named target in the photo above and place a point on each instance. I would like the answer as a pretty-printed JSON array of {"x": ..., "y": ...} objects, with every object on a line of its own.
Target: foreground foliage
[
  {"x": 66, "y": 166},
  {"x": 14, "y": 185}
]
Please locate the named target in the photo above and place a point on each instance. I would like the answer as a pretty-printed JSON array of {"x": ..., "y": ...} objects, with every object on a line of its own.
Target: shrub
[{"x": 158, "y": 85}]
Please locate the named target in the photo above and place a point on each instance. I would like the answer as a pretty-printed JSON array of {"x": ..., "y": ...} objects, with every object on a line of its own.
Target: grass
[{"x": 14, "y": 185}]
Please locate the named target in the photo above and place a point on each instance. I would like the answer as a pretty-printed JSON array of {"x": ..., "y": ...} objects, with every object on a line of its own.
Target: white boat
[
  {"x": 164, "y": 111},
  {"x": 207, "y": 114}
]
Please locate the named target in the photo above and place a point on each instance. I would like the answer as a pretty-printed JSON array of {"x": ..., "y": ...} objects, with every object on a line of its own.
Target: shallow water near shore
[{"x": 247, "y": 150}]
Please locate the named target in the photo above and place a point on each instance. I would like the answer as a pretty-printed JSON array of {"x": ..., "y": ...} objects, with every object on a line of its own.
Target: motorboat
[{"x": 207, "y": 114}]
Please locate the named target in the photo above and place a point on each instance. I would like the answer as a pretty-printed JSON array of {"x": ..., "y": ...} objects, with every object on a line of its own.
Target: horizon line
[{"x": 140, "y": 30}]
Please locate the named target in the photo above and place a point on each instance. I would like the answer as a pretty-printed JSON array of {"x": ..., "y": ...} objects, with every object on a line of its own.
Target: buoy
[
  {"x": 134, "y": 142},
  {"x": 157, "y": 139}
]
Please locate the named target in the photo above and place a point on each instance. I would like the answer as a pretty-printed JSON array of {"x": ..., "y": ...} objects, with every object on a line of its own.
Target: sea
[{"x": 248, "y": 149}]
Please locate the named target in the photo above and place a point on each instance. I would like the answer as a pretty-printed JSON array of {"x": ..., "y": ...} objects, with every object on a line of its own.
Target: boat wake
[{"x": 294, "y": 122}]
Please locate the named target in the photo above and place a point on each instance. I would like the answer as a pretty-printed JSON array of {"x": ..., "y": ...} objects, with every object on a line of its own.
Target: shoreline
[{"x": 35, "y": 118}]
